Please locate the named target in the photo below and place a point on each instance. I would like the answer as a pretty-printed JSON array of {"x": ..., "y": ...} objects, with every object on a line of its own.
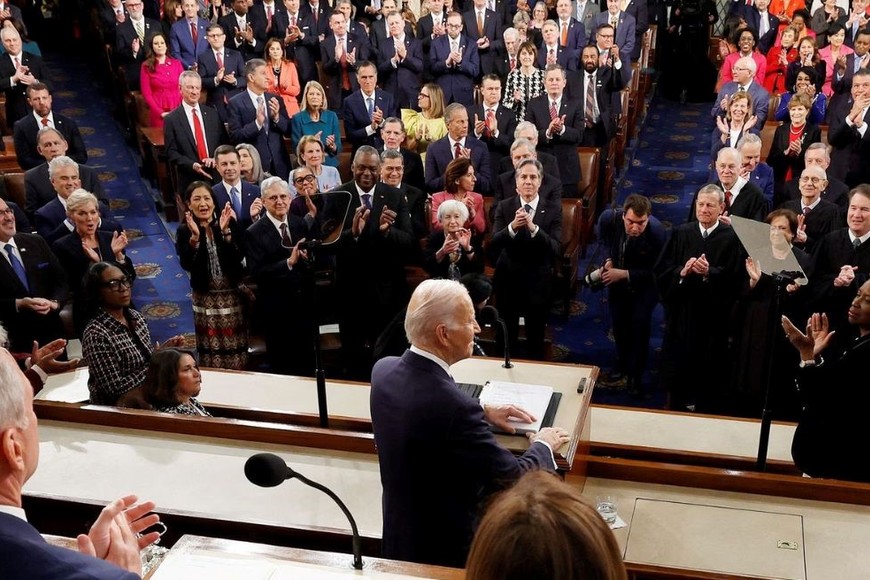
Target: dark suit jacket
[
  {"x": 567, "y": 57},
  {"x": 524, "y": 264},
  {"x": 577, "y": 34},
  {"x": 837, "y": 193},
  {"x": 46, "y": 279},
  {"x": 457, "y": 82},
  {"x": 269, "y": 144},
  {"x": 332, "y": 67},
  {"x": 506, "y": 186},
  {"x": 780, "y": 162},
  {"x": 378, "y": 34},
  {"x": 16, "y": 97},
  {"x": 847, "y": 145},
  {"x": 26, "y": 129},
  {"x": 321, "y": 24},
  {"x": 220, "y": 94},
  {"x": 413, "y": 168},
  {"x": 832, "y": 252},
  {"x": 25, "y": 554},
  {"x": 249, "y": 192},
  {"x": 38, "y": 190},
  {"x": 626, "y": 31},
  {"x": 499, "y": 147},
  {"x": 750, "y": 204},
  {"x": 551, "y": 165},
  {"x": 356, "y": 117},
  {"x": 844, "y": 85},
  {"x": 418, "y": 413},
  {"x": 439, "y": 155},
  {"x": 822, "y": 220},
  {"x": 267, "y": 262},
  {"x": 181, "y": 144},
  {"x": 50, "y": 217},
  {"x": 403, "y": 80},
  {"x": 304, "y": 51},
  {"x": 608, "y": 83},
  {"x": 125, "y": 33},
  {"x": 425, "y": 26},
  {"x": 415, "y": 199},
  {"x": 256, "y": 21},
  {"x": 753, "y": 18},
  {"x": 563, "y": 147},
  {"x": 493, "y": 29},
  {"x": 181, "y": 42}
]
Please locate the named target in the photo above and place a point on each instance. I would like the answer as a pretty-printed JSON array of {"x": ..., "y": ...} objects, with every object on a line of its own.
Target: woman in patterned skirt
[{"x": 209, "y": 247}]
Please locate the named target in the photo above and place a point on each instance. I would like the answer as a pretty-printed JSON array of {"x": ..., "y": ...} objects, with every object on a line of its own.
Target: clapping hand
[
  {"x": 274, "y": 108},
  {"x": 521, "y": 219},
  {"x": 845, "y": 277},
  {"x": 754, "y": 270},
  {"x": 801, "y": 235},
  {"x": 451, "y": 244},
  {"x": 117, "y": 535},
  {"x": 298, "y": 252},
  {"x": 46, "y": 357},
  {"x": 119, "y": 242},
  {"x": 818, "y": 335},
  {"x": 193, "y": 227},
  {"x": 360, "y": 217},
  {"x": 388, "y": 217}
]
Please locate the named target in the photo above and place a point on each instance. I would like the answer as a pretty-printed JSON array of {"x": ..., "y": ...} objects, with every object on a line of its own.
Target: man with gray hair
[
  {"x": 816, "y": 216},
  {"x": 505, "y": 186},
  {"x": 526, "y": 130},
  {"x": 393, "y": 135},
  {"x": 837, "y": 192},
  {"x": 276, "y": 257},
  {"x": 457, "y": 143},
  {"x": 506, "y": 59},
  {"x": 699, "y": 274},
  {"x": 417, "y": 411},
  {"x": 753, "y": 169},
  {"x": 51, "y": 220},
  {"x": 741, "y": 197},
  {"x": 744, "y": 74},
  {"x": 393, "y": 174}
]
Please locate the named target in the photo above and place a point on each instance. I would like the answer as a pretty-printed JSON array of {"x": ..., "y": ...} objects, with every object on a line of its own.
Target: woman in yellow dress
[{"x": 427, "y": 125}]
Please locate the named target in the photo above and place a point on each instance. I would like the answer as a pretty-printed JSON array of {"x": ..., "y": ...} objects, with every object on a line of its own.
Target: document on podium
[{"x": 533, "y": 399}]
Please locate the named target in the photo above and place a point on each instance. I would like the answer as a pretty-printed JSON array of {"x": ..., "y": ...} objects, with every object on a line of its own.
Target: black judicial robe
[{"x": 834, "y": 251}]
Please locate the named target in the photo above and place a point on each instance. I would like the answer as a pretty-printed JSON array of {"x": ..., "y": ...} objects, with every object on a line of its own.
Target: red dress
[
  {"x": 792, "y": 137},
  {"x": 160, "y": 88},
  {"x": 774, "y": 76}
]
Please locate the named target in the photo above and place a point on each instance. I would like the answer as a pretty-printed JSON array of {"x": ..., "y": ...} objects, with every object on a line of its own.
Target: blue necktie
[
  {"x": 237, "y": 202},
  {"x": 370, "y": 106},
  {"x": 17, "y": 265},
  {"x": 367, "y": 200}
]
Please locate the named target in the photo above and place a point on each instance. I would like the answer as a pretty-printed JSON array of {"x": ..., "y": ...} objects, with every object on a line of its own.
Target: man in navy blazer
[
  {"x": 340, "y": 53},
  {"x": 753, "y": 169},
  {"x": 23, "y": 551},
  {"x": 300, "y": 40},
  {"x": 418, "y": 413},
  {"x": 182, "y": 44},
  {"x": 318, "y": 12},
  {"x": 360, "y": 126},
  {"x": 222, "y": 71},
  {"x": 457, "y": 142},
  {"x": 455, "y": 63},
  {"x": 14, "y": 80},
  {"x": 571, "y": 31},
  {"x": 744, "y": 75},
  {"x": 259, "y": 118},
  {"x": 753, "y": 17},
  {"x": 625, "y": 25},
  {"x": 492, "y": 123},
  {"x": 246, "y": 31},
  {"x": 842, "y": 81},
  {"x": 488, "y": 39},
  {"x": 242, "y": 196},
  {"x": 26, "y": 129},
  {"x": 552, "y": 51},
  {"x": 400, "y": 63}
]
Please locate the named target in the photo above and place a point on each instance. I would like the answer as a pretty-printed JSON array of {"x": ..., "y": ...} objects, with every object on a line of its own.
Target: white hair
[
  {"x": 453, "y": 205},
  {"x": 12, "y": 407},
  {"x": 434, "y": 302}
]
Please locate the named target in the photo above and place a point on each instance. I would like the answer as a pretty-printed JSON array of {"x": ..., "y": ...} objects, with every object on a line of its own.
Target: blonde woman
[
  {"x": 427, "y": 125},
  {"x": 315, "y": 119}
]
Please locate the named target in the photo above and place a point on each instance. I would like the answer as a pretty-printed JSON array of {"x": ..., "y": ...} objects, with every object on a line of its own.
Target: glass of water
[{"x": 606, "y": 506}]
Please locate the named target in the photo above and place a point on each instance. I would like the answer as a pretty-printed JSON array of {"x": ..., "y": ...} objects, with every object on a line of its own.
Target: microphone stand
[
  {"x": 496, "y": 319},
  {"x": 319, "y": 373}
]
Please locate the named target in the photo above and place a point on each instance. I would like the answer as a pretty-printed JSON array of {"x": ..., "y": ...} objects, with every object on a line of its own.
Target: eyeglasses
[
  {"x": 305, "y": 179},
  {"x": 215, "y": 35},
  {"x": 805, "y": 179},
  {"x": 7, "y": 211},
  {"x": 424, "y": 95},
  {"x": 116, "y": 285}
]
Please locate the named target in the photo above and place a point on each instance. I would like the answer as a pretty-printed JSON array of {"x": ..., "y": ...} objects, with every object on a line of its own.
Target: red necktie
[
  {"x": 199, "y": 136},
  {"x": 292, "y": 21},
  {"x": 457, "y": 150},
  {"x": 490, "y": 121},
  {"x": 807, "y": 209},
  {"x": 45, "y": 121},
  {"x": 728, "y": 196},
  {"x": 553, "y": 112},
  {"x": 513, "y": 63},
  {"x": 220, "y": 60},
  {"x": 268, "y": 18},
  {"x": 194, "y": 34}
]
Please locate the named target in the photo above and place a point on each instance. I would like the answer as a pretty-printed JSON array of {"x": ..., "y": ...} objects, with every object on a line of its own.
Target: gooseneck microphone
[
  {"x": 269, "y": 470},
  {"x": 489, "y": 315}
]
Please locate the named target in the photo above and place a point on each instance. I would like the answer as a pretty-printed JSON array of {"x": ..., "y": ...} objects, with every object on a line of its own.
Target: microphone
[
  {"x": 269, "y": 470},
  {"x": 489, "y": 315}
]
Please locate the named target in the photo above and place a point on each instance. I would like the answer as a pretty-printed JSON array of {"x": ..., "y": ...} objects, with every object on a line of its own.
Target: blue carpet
[
  {"x": 162, "y": 289},
  {"x": 668, "y": 162}
]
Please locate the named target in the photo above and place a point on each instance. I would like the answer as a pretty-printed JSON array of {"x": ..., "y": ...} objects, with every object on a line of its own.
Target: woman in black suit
[
  {"x": 209, "y": 246},
  {"x": 790, "y": 142},
  {"x": 87, "y": 245},
  {"x": 452, "y": 251}
]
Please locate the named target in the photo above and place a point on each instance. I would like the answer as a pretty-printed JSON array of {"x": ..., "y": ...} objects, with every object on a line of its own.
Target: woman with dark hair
[
  {"x": 790, "y": 143},
  {"x": 778, "y": 59},
  {"x": 805, "y": 84},
  {"x": 832, "y": 53},
  {"x": 159, "y": 80},
  {"x": 746, "y": 40},
  {"x": 459, "y": 183},
  {"x": 452, "y": 250},
  {"x": 116, "y": 343},
  {"x": 543, "y": 528},
  {"x": 172, "y": 383},
  {"x": 730, "y": 26},
  {"x": 209, "y": 246},
  {"x": 282, "y": 76},
  {"x": 171, "y": 14},
  {"x": 808, "y": 57},
  {"x": 823, "y": 17},
  {"x": 525, "y": 82},
  {"x": 800, "y": 20}
]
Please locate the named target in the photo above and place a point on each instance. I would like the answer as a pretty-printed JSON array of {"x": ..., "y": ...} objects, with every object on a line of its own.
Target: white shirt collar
[
  {"x": 533, "y": 203},
  {"x": 11, "y": 241},
  {"x": 371, "y": 192},
  {"x": 812, "y": 205},
  {"x": 188, "y": 109},
  {"x": 275, "y": 222},
  {"x": 229, "y": 186},
  {"x": 454, "y": 142},
  {"x": 50, "y": 118},
  {"x": 709, "y": 230},
  {"x": 13, "y": 511},
  {"x": 62, "y": 201},
  {"x": 432, "y": 357},
  {"x": 863, "y": 238}
]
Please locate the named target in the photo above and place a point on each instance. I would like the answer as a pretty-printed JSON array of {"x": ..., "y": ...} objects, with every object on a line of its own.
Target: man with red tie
[
  {"x": 222, "y": 71},
  {"x": 340, "y": 53},
  {"x": 26, "y": 129},
  {"x": 507, "y": 59},
  {"x": 192, "y": 132},
  {"x": 187, "y": 37}
]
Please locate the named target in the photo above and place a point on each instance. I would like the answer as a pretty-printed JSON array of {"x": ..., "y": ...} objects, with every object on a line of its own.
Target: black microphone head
[
  {"x": 267, "y": 470},
  {"x": 489, "y": 315}
]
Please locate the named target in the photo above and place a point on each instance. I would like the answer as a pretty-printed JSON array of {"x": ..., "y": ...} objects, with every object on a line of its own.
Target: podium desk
[{"x": 293, "y": 400}]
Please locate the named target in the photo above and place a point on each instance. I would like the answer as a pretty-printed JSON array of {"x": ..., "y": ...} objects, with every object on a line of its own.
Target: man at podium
[{"x": 438, "y": 457}]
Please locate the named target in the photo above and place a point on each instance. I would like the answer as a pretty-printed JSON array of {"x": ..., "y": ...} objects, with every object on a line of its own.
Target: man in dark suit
[
  {"x": 300, "y": 40},
  {"x": 485, "y": 28},
  {"x": 393, "y": 135},
  {"x": 600, "y": 122},
  {"x": 393, "y": 174},
  {"x": 190, "y": 150},
  {"x": 456, "y": 143},
  {"x": 455, "y": 63},
  {"x": 279, "y": 264},
  {"x": 492, "y": 123},
  {"x": 753, "y": 169},
  {"x": 318, "y": 12},
  {"x": 837, "y": 192},
  {"x": 33, "y": 286},
  {"x": 354, "y": 27},
  {"x": 366, "y": 109},
  {"x": 552, "y": 52},
  {"x": 744, "y": 75},
  {"x": 18, "y": 69},
  {"x": 265, "y": 12},
  {"x": 370, "y": 261},
  {"x": 417, "y": 411},
  {"x": 259, "y": 118},
  {"x": 111, "y": 14},
  {"x": 23, "y": 551},
  {"x": 340, "y": 53},
  {"x": 816, "y": 217},
  {"x": 847, "y": 132},
  {"x": 572, "y": 34},
  {"x": 246, "y": 31},
  {"x": 379, "y": 32},
  {"x": 846, "y": 69},
  {"x": 38, "y": 190},
  {"x": 187, "y": 37},
  {"x": 506, "y": 184},
  {"x": 242, "y": 196},
  {"x": 430, "y": 27},
  {"x": 222, "y": 71},
  {"x": 560, "y": 126},
  {"x": 742, "y": 198},
  {"x": 26, "y": 129},
  {"x": 132, "y": 37},
  {"x": 400, "y": 62},
  {"x": 624, "y": 25},
  {"x": 528, "y": 131},
  {"x": 699, "y": 274},
  {"x": 632, "y": 240},
  {"x": 506, "y": 60},
  {"x": 526, "y": 243},
  {"x": 765, "y": 24}
]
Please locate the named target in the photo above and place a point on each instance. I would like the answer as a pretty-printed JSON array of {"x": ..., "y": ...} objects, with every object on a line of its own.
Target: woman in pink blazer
[{"x": 159, "y": 80}]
